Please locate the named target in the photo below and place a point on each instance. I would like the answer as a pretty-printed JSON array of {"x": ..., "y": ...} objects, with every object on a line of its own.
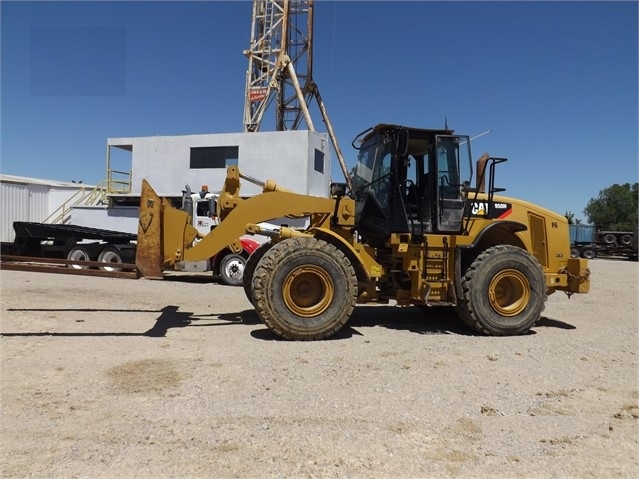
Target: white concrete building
[{"x": 298, "y": 160}]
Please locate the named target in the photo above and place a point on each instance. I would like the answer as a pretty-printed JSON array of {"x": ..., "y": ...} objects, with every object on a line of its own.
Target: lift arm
[{"x": 165, "y": 235}]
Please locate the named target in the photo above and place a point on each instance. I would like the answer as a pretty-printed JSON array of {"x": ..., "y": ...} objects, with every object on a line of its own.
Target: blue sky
[{"x": 555, "y": 82}]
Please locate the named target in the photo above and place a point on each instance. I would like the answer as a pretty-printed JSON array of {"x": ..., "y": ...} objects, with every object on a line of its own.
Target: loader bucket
[{"x": 148, "y": 256}]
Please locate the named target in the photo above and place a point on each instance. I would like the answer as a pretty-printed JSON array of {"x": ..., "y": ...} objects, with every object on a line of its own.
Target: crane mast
[{"x": 281, "y": 68}]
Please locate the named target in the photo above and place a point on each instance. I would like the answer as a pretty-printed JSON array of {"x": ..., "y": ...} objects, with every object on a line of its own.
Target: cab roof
[
  {"x": 380, "y": 127},
  {"x": 388, "y": 126}
]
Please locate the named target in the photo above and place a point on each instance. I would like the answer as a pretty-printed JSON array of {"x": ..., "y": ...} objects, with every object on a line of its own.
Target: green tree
[
  {"x": 615, "y": 209},
  {"x": 570, "y": 216}
]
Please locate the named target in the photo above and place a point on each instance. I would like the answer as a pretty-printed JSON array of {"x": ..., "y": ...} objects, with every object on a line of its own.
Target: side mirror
[
  {"x": 212, "y": 207},
  {"x": 338, "y": 189},
  {"x": 480, "y": 181}
]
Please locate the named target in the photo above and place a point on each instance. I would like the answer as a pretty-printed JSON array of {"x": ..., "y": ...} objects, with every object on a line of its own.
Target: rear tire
[
  {"x": 589, "y": 253},
  {"x": 78, "y": 253},
  {"x": 232, "y": 269},
  {"x": 304, "y": 289},
  {"x": 504, "y": 292},
  {"x": 111, "y": 256}
]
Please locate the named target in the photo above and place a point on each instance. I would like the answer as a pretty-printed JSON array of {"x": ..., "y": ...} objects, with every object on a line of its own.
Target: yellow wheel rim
[
  {"x": 308, "y": 291},
  {"x": 509, "y": 292}
]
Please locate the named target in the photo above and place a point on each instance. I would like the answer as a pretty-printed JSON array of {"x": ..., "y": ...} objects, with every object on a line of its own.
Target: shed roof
[{"x": 25, "y": 180}]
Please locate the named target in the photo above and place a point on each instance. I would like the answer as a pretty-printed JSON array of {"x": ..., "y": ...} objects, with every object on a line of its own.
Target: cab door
[{"x": 454, "y": 171}]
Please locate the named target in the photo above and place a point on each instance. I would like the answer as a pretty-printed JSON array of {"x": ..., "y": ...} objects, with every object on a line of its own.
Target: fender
[
  {"x": 496, "y": 229},
  {"x": 365, "y": 265},
  {"x": 249, "y": 244}
]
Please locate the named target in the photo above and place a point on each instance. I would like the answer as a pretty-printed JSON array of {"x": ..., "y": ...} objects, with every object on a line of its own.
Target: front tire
[
  {"x": 232, "y": 269},
  {"x": 304, "y": 289},
  {"x": 504, "y": 292}
]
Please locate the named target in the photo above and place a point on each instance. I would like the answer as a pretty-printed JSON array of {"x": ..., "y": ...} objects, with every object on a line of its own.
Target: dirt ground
[{"x": 120, "y": 378}]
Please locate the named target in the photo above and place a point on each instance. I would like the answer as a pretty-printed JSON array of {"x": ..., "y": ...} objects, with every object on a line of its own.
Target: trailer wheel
[
  {"x": 112, "y": 256},
  {"x": 574, "y": 252},
  {"x": 504, "y": 292},
  {"x": 304, "y": 289},
  {"x": 588, "y": 253},
  {"x": 232, "y": 269},
  {"x": 626, "y": 240},
  {"x": 249, "y": 269},
  {"x": 78, "y": 253}
]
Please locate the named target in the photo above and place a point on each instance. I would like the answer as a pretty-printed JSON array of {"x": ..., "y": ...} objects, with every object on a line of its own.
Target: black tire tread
[
  {"x": 249, "y": 269},
  {"x": 282, "y": 252},
  {"x": 465, "y": 308}
]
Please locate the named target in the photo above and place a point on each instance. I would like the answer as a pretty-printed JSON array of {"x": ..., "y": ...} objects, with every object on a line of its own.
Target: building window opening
[
  {"x": 319, "y": 161},
  {"x": 214, "y": 156}
]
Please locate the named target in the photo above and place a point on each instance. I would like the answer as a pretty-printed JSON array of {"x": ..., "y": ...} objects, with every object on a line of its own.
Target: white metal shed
[{"x": 32, "y": 199}]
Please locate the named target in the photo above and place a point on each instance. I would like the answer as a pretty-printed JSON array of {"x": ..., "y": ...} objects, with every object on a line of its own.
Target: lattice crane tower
[{"x": 281, "y": 67}]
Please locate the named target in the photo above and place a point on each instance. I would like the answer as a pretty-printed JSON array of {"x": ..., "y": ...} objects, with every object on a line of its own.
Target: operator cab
[{"x": 410, "y": 180}]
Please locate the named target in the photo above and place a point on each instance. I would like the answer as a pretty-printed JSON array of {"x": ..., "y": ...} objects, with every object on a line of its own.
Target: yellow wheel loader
[{"x": 410, "y": 228}]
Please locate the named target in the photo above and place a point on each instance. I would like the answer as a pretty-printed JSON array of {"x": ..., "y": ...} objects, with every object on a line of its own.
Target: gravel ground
[{"x": 106, "y": 378}]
